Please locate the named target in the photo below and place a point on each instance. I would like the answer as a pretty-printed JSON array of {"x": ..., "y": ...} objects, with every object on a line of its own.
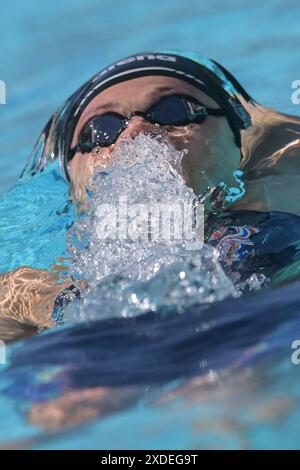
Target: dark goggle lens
[
  {"x": 100, "y": 131},
  {"x": 173, "y": 110}
]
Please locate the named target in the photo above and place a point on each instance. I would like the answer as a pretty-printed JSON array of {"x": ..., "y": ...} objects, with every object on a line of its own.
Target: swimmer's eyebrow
[
  {"x": 103, "y": 107},
  {"x": 162, "y": 88},
  {"x": 169, "y": 90},
  {"x": 112, "y": 104}
]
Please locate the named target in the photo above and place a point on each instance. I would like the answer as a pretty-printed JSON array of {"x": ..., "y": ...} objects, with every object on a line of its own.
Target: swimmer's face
[{"x": 212, "y": 155}]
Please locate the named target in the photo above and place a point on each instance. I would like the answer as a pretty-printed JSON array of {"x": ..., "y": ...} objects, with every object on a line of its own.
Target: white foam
[{"x": 127, "y": 277}]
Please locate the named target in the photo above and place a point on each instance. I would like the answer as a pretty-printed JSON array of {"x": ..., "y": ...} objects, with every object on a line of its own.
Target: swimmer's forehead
[{"x": 137, "y": 94}]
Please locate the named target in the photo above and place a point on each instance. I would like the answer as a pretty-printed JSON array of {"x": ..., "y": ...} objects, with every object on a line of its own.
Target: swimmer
[{"x": 193, "y": 101}]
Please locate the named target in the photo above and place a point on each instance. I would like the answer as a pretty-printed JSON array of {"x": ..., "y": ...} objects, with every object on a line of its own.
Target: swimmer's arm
[
  {"x": 11, "y": 330},
  {"x": 27, "y": 298}
]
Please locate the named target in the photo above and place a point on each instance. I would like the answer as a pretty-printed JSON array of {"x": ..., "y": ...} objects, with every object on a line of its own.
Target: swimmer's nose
[{"x": 137, "y": 125}]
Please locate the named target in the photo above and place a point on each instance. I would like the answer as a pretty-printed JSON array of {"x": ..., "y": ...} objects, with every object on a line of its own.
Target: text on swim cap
[{"x": 138, "y": 58}]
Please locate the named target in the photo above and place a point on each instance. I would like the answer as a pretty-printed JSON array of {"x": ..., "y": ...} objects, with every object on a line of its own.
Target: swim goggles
[{"x": 172, "y": 110}]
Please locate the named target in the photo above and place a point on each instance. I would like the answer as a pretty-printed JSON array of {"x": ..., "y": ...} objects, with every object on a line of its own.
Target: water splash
[{"x": 129, "y": 276}]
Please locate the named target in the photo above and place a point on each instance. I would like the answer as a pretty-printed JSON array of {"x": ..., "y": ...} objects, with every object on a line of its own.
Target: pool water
[{"x": 211, "y": 377}]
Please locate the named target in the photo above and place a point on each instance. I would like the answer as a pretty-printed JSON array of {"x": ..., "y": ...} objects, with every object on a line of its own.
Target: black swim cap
[{"x": 205, "y": 74}]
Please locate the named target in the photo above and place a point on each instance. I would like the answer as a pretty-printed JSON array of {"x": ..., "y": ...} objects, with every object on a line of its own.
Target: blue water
[{"x": 215, "y": 378}]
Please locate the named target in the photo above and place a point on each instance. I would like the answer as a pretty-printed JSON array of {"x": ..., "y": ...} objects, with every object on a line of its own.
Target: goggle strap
[{"x": 215, "y": 112}]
